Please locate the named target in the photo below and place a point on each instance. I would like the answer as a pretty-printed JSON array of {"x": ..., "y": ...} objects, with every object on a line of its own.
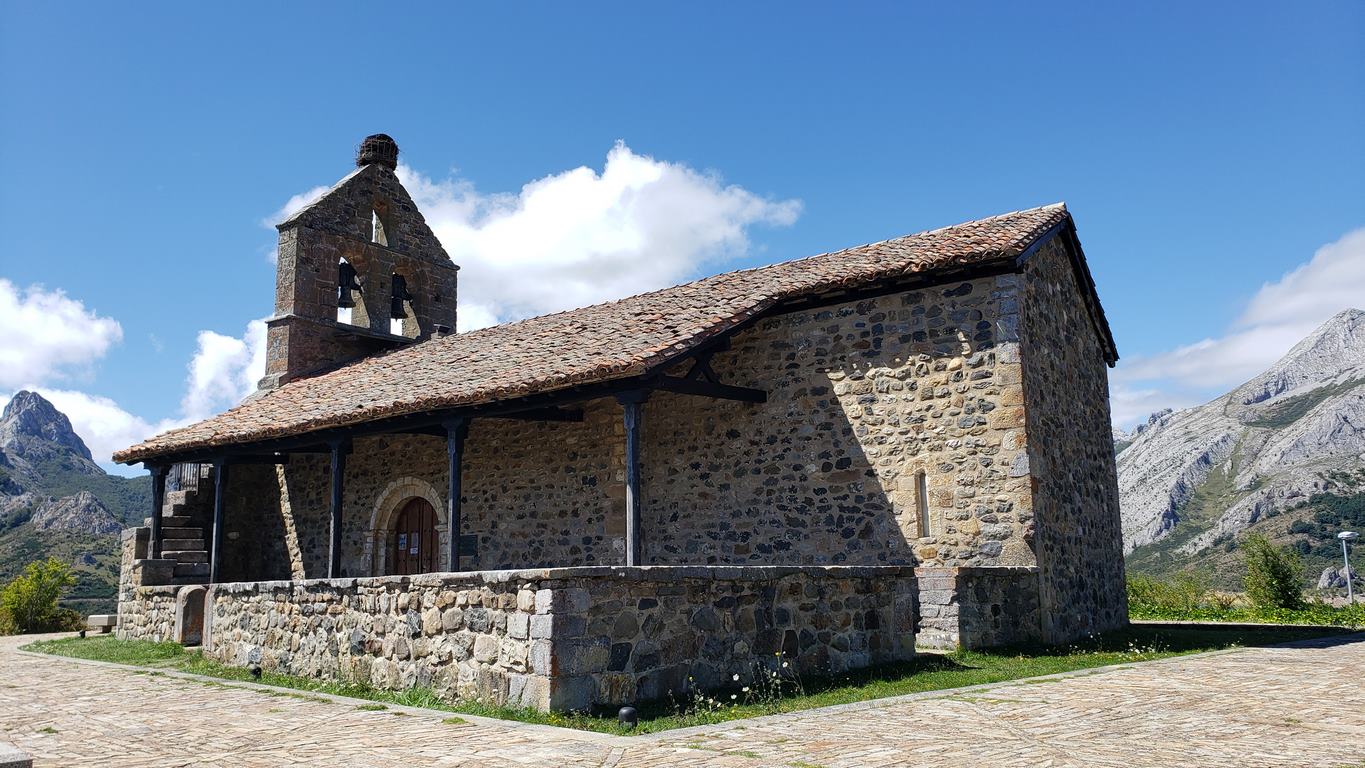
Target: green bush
[
  {"x": 1273, "y": 575},
  {"x": 1183, "y": 595},
  {"x": 29, "y": 603}
]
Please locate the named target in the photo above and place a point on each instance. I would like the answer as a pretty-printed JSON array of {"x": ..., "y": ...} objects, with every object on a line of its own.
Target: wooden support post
[
  {"x": 457, "y": 429},
  {"x": 630, "y": 404},
  {"x": 339, "y": 450},
  {"x": 158, "y": 500},
  {"x": 220, "y": 471}
]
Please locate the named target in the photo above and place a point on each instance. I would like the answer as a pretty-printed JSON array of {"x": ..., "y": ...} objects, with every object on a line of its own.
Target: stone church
[{"x": 833, "y": 460}]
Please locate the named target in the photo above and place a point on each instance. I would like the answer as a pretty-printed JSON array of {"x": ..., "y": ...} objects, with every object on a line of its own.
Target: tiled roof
[{"x": 629, "y": 337}]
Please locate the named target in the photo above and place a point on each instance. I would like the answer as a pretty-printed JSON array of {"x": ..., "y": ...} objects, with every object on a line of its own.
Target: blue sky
[{"x": 1205, "y": 149}]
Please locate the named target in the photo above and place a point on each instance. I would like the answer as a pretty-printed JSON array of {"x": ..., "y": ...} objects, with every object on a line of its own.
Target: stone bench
[{"x": 104, "y": 622}]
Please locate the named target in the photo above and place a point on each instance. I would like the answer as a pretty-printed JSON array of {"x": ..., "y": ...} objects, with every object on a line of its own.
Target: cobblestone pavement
[{"x": 1287, "y": 706}]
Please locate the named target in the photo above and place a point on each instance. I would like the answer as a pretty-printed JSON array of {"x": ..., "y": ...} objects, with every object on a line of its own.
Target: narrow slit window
[
  {"x": 377, "y": 234},
  {"x": 922, "y": 502}
]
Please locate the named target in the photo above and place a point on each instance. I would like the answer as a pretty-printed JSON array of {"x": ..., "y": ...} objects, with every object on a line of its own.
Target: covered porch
[{"x": 395, "y": 491}]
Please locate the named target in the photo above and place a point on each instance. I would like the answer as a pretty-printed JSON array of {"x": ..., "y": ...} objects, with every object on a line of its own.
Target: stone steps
[
  {"x": 169, "y": 544},
  {"x": 192, "y": 569},
  {"x": 184, "y": 530}
]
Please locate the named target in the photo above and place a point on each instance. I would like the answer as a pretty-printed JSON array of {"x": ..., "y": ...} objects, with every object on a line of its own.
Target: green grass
[
  {"x": 1315, "y": 614},
  {"x": 924, "y": 673},
  {"x": 1292, "y": 409}
]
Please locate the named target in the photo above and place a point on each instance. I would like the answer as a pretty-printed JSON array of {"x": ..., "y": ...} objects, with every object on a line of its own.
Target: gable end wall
[{"x": 1078, "y": 534}]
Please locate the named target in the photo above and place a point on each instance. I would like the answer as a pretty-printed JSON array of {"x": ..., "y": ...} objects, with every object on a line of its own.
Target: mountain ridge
[
  {"x": 55, "y": 500},
  {"x": 1194, "y": 478}
]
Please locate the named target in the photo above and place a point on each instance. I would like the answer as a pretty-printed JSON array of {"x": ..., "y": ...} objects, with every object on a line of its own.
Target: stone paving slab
[{"x": 1300, "y": 706}]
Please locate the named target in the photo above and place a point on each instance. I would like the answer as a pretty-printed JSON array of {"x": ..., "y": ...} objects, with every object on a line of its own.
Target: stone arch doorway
[
  {"x": 414, "y": 539},
  {"x": 392, "y": 513}
]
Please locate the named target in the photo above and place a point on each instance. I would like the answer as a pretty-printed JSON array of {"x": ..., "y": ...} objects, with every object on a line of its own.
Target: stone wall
[
  {"x": 566, "y": 638},
  {"x": 133, "y": 546},
  {"x": 147, "y": 613},
  {"x": 647, "y": 632},
  {"x": 862, "y": 397},
  {"x": 977, "y": 607},
  {"x": 1078, "y": 534},
  {"x": 304, "y": 335},
  {"x": 256, "y": 544},
  {"x": 537, "y": 495}
]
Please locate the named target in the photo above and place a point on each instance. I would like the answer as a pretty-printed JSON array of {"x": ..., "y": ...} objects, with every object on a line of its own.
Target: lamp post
[{"x": 1346, "y": 536}]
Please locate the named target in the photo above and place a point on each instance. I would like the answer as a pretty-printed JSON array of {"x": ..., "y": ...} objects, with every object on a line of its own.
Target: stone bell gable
[{"x": 362, "y": 248}]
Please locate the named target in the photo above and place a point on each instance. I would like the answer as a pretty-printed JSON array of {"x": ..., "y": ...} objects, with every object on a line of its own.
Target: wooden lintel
[
  {"x": 247, "y": 459},
  {"x": 544, "y": 414},
  {"x": 708, "y": 389}
]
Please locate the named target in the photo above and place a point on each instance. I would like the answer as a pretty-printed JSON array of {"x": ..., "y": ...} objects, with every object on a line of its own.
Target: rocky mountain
[
  {"x": 55, "y": 500},
  {"x": 1190, "y": 480}
]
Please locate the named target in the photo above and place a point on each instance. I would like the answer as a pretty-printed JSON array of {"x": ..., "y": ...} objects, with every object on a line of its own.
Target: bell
[
  {"x": 400, "y": 294},
  {"x": 346, "y": 283}
]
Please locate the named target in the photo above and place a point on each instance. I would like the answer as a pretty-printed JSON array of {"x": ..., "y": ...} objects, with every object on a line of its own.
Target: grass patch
[
  {"x": 924, "y": 673},
  {"x": 47, "y": 729},
  {"x": 372, "y": 707}
]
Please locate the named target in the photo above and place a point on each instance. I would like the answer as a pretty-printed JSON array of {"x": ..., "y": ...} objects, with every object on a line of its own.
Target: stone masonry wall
[
  {"x": 147, "y": 613},
  {"x": 304, "y": 335},
  {"x": 861, "y": 397},
  {"x": 648, "y": 632},
  {"x": 977, "y": 607},
  {"x": 1071, "y": 453},
  {"x": 256, "y": 544},
  {"x": 566, "y": 639},
  {"x": 537, "y": 495}
]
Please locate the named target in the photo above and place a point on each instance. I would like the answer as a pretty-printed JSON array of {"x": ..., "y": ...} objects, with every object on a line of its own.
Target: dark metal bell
[
  {"x": 400, "y": 294},
  {"x": 346, "y": 283}
]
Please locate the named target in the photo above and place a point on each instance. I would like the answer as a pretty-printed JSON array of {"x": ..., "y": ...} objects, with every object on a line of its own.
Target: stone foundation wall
[
  {"x": 556, "y": 639},
  {"x": 481, "y": 635},
  {"x": 975, "y": 607},
  {"x": 639, "y": 634},
  {"x": 147, "y": 613}
]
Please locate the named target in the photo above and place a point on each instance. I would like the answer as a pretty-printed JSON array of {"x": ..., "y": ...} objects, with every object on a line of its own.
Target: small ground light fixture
[{"x": 1346, "y": 536}]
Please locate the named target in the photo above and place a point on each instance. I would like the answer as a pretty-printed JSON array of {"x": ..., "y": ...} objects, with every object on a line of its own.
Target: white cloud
[
  {"x": 46, "y": 336},
  {"x": 1281, "y": 314},
  {"x": 566, "y": 240},
  {"x": 581, "y": 237},
  {"x": 224, "y": 370},
  {"x": 294, "y": 205}
]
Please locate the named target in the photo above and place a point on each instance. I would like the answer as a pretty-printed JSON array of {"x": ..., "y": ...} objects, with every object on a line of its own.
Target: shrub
[
  {"x": 29, "y": 603},
  {"x": 1184, "y": 594},
  {"x": 1273, "y": 575}
]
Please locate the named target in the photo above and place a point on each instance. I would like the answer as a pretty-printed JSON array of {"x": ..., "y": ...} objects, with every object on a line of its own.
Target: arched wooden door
[{"x": 414, "y": 539}]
